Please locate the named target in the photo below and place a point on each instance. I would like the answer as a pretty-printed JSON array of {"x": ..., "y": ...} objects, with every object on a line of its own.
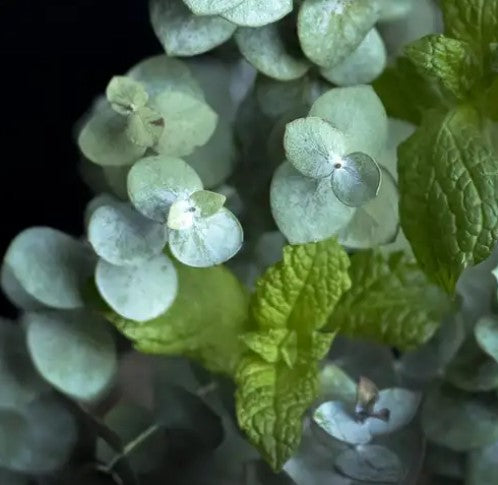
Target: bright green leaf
[
  {"x": 211, "y": 7},
  {"x": 330, "y": 30},
  {"x": 208, "y": 203},
  {"x": 182, "y": 33},
  {"x": 72, "y": 350},
  {"x": 384, "y": 303},
  {"x": 126, "y": 95},
  {"x": 256, "y": 13},
  {"x": 453, "y": 222},
  {"x": 265, "y": 49}
]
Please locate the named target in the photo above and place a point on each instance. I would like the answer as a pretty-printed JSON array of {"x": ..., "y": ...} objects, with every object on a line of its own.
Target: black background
[{"x": 55, "y": 57}]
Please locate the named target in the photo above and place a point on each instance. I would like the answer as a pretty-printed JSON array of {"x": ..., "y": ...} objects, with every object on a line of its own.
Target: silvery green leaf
[
  {"x": 207, "y": 203},
  {"x": 73, "y": 350},
  {"x": 182, "y": 33},
  {"x": 472, "y": 370},
  {"x": 314, "y": 147},
  {"x": 337, "y": 419},
  {"x": 50, "y": 266},
  {"x": 482, "y": 465},
  {"x": 188, "y": 123},
  {"x": 255, "y": 13},
  {"x": 486, "y": 334},
  {"x": 329, "y": 30},
  {"x": 459, "y": 420},
  {"x": 356, "y": 179},
  {"x": 306, "y": 209},
  {"x": 103, "y": 139},
  {"x": 116, "y": 179},
  {"x": 376, "y": 222},
  {"x": 264, "y": 48},
  {"x": 95, "y": 203},
  {"x": 214, "y": 161},
  {"x": 209, "y": 241},
  {"x": 182, "y": 215},
  {"x": 275, "y": 98},
  {"x": 126, "y": 95},
  {"x": 398, "y": 132},
  {"x": 394, "y": 9},
  {"x": 123, "y": 236},
  {"x": 20, "y": 381},
  {"x": 210, "y": 7},
  {"x": 38, "y": 437},
  {"x": 269, "y": 249},
  {"x": 362, "y": 66},
  {"x": 358, "y": 112},
  {"x": 92, "y": 175},
  {"x": 163, "y": 73},
  {"x": 145, "y": 127},
  {"x": 402, "y": 404},
  {"x": 138, "y": 292},
  {"x": 14, "y": 291},
  {"x": 155, "y": 182},
  {"x": 370, "y": 463},
  {"x": 335, "y": 384}
]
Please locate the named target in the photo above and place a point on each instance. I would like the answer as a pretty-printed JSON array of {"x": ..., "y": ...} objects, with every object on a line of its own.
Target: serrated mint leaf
[
  {"x": 208, "y": 203},
  {"x": 453, "y": 222},
  {"x": 126, "y": 95},
  {"x": 145, "y": 127},
  {"x": 265, "y": 49},
  {"x": 211, "y": 7},
  {"x": 203, "y": 323},
  {"x": 329, "y": 30},
  {"x": 405, "y": 93},
  {"x": 384, "y": 302},
  {"x": 182, "y": 33},
  {"x": 448, "y": 61},
  {"x": 256, "y": 13}
]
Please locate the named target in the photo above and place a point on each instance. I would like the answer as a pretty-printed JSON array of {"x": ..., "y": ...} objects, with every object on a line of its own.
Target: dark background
[{"x": 55, "y": 57}]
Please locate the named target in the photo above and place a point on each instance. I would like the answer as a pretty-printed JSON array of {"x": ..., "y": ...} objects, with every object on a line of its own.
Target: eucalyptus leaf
[
  {"x": 358, "y": 112},
  {"x": 209, "y": 241},
  {"x": 376, "y": 222},
  {"x": 36, "y": 438},
  {"x": 306, "y": 209},
  {"x": 103, "y": 138},
  {"x": 370, "y": 463},
  {"x": 314, "y": 147},
  {"x": 95, "y": 203},
  {"x": 141, "y": 292},
  {"x": 207, "y": 203},
  {"x": 482, "y": 465},
  {"x": 398, "y": 132},
  {"x": 486, "y": 334},
  {"x": 335, "y": 384},
  {"x": 73, "y": 350},
  {"x": 362, "y": 66},
  {"x": 211, "y": 7},
  {"x": 116, "y": 179},
  {"x": 182, "y": 33},
  {"x": 264, "y": 48},
  {"x": 50, "y": 266},
  {"x": 122, "y": 236},
  {"x": 395, "y": 9},
  {"x": 145, "y": 127},
  {"x": 13, "y": 290},
  {"x": 255, "y": 13},
  {"x": 275, "y": 98},
  {"x": 126, "y": 95},
  {"x": 155, "y": 182}
]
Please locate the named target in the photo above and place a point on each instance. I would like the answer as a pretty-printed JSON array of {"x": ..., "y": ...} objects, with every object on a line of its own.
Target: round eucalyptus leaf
[
  {"x": 356, "y": 179},
  {"x": 73, "y": 350},
  {"x": 358, "y": 112},
  {"x": 264, "y": 48},
  {"x": 122, "y": 236},
  {"x": 37, "y": 438},
  {"x": 394, "y": 9},
  {"x": 269, "y": 249},
  {"x": 330, "y": 30},
  {"x": 103, "y": 139},
  {"x": 13, "y": 290},
  {"x": 275, "y": 98},
  {"x": 337, "y": 419},
  {"x": 398, "y": 132},
  {"x": 256, "y": 13},
  {"x": 156, "y": 182},
  {"x": 163, "y": 73},
  {"x": 315, "y": 147},
  {"x": 95, "y": 203},
  {"x": 182, "y": 33},
  {"x": 211, "y": 7},
  {"x": 21, "y": 383},
  {"x": 50, "y": 266},
  {"x": 486, "y": 334},
  {"x": 458, "y": 420},
  {"x": 335, "y": 384},
  {"x": 376, "y": 222},
  {"x": 209, "y": 241},
  {"x": 116, "y": 178},
  {"x": 141, "y": 292},
  {"x": 214, "y": 161},
  {"x": 126, "y": 95},
  {"x": 370, "y": 463},
  {"x": 482, "y": 465},
  {"x": 306, "y": 209},
  {"x": 402, "y": 404},
  {"x": 362, "y": 66}
]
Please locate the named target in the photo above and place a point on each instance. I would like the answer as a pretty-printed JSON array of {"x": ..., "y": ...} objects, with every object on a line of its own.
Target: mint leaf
[
  {"x": 450, "y": 62},
  {"x": 277, "y": 379},
  {"x": 449, "y": 194},
  {"x": 390, "y": 301},
  {"x": 204, "y": 322}
]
